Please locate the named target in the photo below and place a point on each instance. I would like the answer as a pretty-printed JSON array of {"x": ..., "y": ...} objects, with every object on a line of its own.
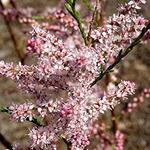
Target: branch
[
  {"x": 121, "y": 55},
  {"x": 97, "y": 17},
  {"x": 114, "y": 122},
  {"x": 91, "y": 24},
  {"x": 68, "y": 143},
  {"x": 13, "y": 3},
  {"x": 9, "y": 28},
  {"x": 70, "y": 6},
  {"x": 5, "y": 142}
]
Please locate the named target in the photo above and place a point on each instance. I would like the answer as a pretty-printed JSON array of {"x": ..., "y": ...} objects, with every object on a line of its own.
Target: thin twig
[
  {"x": 68, "y": 143},
  {"x": 13, "y": 3},
  {"x": 91, "y": 24},
  {"x": 97, "y": 18},
  {"x": 70, "y": 6},
  {"x": 10, "y": 30},
  {"x": 114, "y": 122},
  {"x": 101, "y": 12},
  {"x": 5, "y": 142}
]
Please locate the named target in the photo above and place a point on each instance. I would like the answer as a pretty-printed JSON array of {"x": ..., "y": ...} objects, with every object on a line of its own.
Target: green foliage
[
  {"x": 70, "y": 6},
  {"x": 36, "y": 121},
  {"x": 3, "y": 109},
  {"x": 38, "y": 17}
]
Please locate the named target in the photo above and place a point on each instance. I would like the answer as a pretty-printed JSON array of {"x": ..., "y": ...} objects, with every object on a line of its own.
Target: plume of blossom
[
  {"x": 120, "y": 29},
  {"x": 22, "y": 112},
  {"x": 65, "y": 19},
  {"x": 71, "y": 70},
  {"x": 83, "y": 104},
  {"x": 48, "y": 136},
  {"x": 63, "y": 63},
  {"x": 44, "y": 137},
  {"x": 62, "y": 68},
  {"x": 98, "y": 130},
  {"x": 121, "y": 91},
  {"x": 88, "y": 111},
  {"x": 25, "y": 77},
  {"x": 136, "y": 101}
]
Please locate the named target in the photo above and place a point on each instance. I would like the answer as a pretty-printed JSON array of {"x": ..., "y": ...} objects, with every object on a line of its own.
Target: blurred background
[{"x": 136, "y": 67}]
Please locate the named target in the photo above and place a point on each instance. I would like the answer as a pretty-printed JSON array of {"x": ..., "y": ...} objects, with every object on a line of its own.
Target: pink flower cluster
[
  {"x": 120, "y": 29},
  {"x": 105, "y": 140},
  {"x": 119, "y": 140},
  {"x": 136, "y": 101},
  {"x": 121, "y": 91},
  {"x": 62, "y": 69},
  {"x": 65, "y": 19},
  {"x": 22, "y": 112}
]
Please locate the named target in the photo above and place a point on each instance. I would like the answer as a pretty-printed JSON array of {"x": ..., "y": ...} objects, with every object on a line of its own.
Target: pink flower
[
  {"x": 59, "y": 81},
  {"x": 22, "y": 112},
  {"x": 43, "y": 137},
  {"x": 119, "y": 140}
]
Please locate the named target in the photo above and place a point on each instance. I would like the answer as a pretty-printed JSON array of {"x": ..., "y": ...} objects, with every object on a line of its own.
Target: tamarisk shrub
[{"x": 74, "y": 71}]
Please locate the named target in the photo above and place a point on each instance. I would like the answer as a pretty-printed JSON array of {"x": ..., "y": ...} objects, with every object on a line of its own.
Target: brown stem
[
  {"x": 10, "y": 30},
  {"x": 97, "y": 17},
  {"x": 99, "y": 13},
  {"x": 91, "y": 24},
  {"x": 5, "y": 142},
  {"x": 13, "y": 3},
  {"x": 114, "y": 122},
  {"x": 113, "y": 116},
  {"x": 68, "y": 147},
  {"x": 68, "y": 143}
]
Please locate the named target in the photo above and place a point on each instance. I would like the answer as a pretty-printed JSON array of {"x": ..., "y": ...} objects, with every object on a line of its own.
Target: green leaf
[
  {"x": 69, "y": 8},
  {"x": 3, "y": 109},
  {"x": 70, "y": 2},
  {"x": 77, "y": 14},
  {"x": 37, "y": 17},
  {"x": 36, "y": 120}
]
